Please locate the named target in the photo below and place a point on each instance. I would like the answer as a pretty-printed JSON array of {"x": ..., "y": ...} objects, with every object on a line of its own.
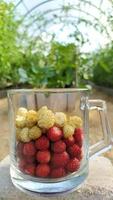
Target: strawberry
[
  {"x": 42, "y": 143},
  {"x": 57, "y": 173},
  {"x": 69, "y": 141},
  {"x": 29, "y": 149},
  {"x": 30, "y": 169},
  {"x": 29, "y": 159},
  {"x": 19, "y": 149},
  {"x": 60, "y": 159},
  {"x": 43, "y": 156},
  {"x": 74, "y": 151},
  {"x": 80, "y": 156},
  {"x": 78, "y": 136},
  {"x": 73, "y": 165},
  {"x": 59, "y": 146},
  {"x": 55, "y": 133},
  {"x": 42, "y": 170},
  {"x": 22, "y": 164}
]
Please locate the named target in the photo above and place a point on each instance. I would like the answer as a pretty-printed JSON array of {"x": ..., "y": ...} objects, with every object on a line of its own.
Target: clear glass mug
[{"x": 69, "y": 169}]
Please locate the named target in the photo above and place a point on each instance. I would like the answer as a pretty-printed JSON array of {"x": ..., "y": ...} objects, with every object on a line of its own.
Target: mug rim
[{"x": 50, "y": 90}]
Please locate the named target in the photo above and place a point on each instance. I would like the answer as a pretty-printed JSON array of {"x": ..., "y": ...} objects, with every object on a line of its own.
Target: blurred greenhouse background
[
  {"x": 56, "y": 43},
  {"x": 63, "y": 43}
]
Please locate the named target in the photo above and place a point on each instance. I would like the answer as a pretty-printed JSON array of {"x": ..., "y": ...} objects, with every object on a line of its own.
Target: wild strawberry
[
  {"x": 74, "y": 151},
  {"x": 73, "y": 165},
  {"x": 79, "y": 157},
  {"x": 29, "y": 149},
  {"x": 57, "y": 173},
  {"x": 22, "y": 164},
  {"x": 60, "y": 159},
  {"x": 42, "y": 170},
  {"x": 43, "y": 156},
  {"x": 78, "y": 136},
  {"x": 59, "y": 146},
  {"x": 69, "y": 141},
  {"x": 30, "y": 169},
  {"x": 29, "y": 159},
  {"x": 42, "y": 143},
  {"x": 55, "y": 134},
  {"x": 19, "y": 149}
]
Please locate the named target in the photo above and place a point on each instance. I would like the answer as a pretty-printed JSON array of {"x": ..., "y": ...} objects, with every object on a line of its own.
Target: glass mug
[{"x": 50, "y": 140}]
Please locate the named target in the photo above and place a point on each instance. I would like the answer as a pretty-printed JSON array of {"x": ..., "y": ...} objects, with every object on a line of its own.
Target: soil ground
[{"x": 95, "y": 128}]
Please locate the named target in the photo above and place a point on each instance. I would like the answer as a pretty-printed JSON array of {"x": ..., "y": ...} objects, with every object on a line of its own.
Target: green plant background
[{"x": 27, "y": 62}]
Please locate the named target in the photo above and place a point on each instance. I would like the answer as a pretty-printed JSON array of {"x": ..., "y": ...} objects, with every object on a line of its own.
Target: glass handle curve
[{"x": 106, "y": 143}]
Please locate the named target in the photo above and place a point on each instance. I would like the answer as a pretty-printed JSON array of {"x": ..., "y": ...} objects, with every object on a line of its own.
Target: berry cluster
[
  {"x": 51, "y": 155},
  {"x": 44, "y": 150}
]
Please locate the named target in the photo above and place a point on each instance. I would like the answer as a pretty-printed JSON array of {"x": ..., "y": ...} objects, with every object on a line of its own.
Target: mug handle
[{"x": 106, "y": 143}]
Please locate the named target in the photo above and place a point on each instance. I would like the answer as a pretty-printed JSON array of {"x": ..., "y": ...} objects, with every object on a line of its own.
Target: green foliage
[
  {"x": 64, "y": 59},
  {"x": 9, "y": 52},
  {"x": 103, "y": 66},
  {"x": 85, "y": 70},
  {"x": 62, "y": 56},
  {"x": 32, "y": 61},
  {"x": 55, "y": 69}
]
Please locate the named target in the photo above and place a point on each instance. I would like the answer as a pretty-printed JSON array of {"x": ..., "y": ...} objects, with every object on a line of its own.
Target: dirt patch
[{"x": 4, "y": 132}]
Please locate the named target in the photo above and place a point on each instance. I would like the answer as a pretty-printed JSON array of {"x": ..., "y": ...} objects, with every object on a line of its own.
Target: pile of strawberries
[{"x": 51, "y": 155}]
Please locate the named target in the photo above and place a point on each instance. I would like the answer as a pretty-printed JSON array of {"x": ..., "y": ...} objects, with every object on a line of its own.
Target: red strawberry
[
  {"x": 58, "y": 172},
  {"x": 60, "y": 159},
  {"x": 30, "y": 169},
  {"x": 78, "y": 135},
  {"x": 42, "y": 170},
  {"x": 59, "y": 146},
  {"x": 80, "y": 156},
  {"x": 55, "y": 133},
  {"x": 29, "y": 149},
  {"x": 69, "y": 141},
  {"x": 19, "y": 149},
  {"x": 42, "y": 143},
  {"x": 73, "y": 165},
  {"x": 22, "y": 164},
  {"x": 74, "y": 151},
  {"x": 29, "y": 159},
  {"x": 43, "y": 156}
]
